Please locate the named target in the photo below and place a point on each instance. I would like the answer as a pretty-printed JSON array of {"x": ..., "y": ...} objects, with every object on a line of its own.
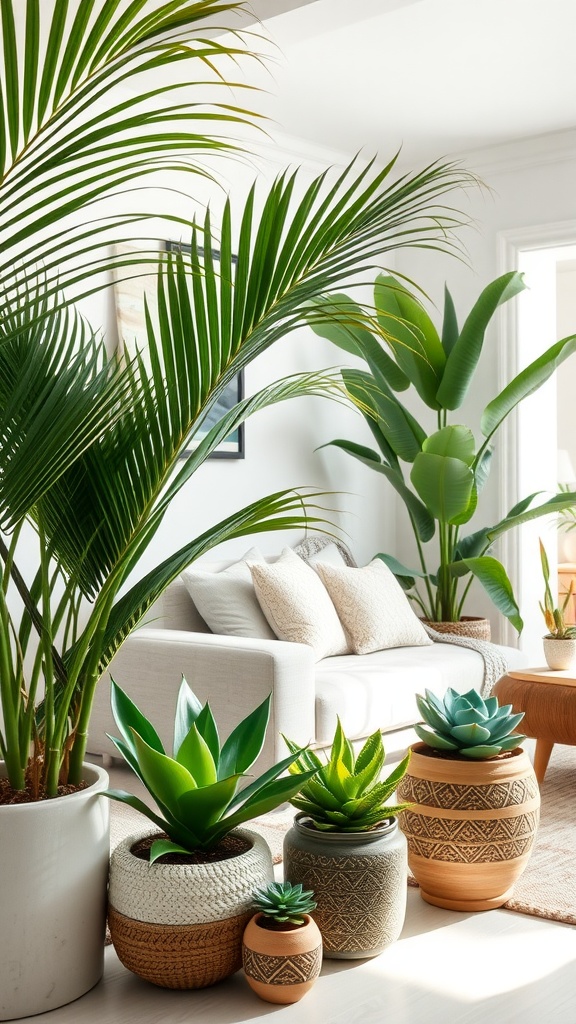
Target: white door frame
[{"x": 514, "y": 449}]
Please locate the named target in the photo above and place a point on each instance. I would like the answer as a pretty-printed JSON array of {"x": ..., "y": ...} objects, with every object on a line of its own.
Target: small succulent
[
  {"x": 467, "y": 724},
  {"x": 553, "y": 616},
  {"x": 198, "y": 789},
  {"x": 346, "y": 793},
  {"x": 284, "y": 903}
]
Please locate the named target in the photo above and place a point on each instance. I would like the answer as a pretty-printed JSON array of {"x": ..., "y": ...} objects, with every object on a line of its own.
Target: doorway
[{"x": 530, "y": 435}]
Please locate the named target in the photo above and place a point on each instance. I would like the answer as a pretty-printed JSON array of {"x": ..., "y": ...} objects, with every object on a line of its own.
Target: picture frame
[{"x": 130, "y": 321}]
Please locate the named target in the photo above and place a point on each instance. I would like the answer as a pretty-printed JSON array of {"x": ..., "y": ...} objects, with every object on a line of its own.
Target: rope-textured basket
[
  {"x": 181, "y": 925},
  {"x": 469, "y": 625}
]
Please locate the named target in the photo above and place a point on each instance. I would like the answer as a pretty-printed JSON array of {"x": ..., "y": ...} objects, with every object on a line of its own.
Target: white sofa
[{"x": 368, "y": 691}]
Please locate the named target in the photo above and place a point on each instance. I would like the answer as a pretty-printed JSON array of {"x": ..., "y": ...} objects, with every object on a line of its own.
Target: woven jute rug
[{"x": 546, "y": 889}]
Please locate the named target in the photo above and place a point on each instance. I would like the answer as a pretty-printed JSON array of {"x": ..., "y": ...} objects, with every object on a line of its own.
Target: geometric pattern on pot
[
  {"x": 353, "y": 903},
  {"x": 282, "y": 970},
  {"x": 187, "y": 893},
  {"x": 470, "y": 841},
  {"x": 468, "y": 798}
]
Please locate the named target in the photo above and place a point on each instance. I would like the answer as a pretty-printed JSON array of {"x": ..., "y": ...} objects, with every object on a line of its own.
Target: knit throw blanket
[{"x": 495, "y": 664}]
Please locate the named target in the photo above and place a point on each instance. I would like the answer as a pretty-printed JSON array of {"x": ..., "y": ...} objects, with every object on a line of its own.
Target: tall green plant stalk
[{"x": 92, "y": 445}]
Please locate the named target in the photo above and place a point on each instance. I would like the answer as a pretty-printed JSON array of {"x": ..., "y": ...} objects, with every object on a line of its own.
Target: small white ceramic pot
[{"x": 559, "y": 654}]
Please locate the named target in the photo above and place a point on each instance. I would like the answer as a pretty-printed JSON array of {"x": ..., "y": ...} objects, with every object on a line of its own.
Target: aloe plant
[
  {"x": 438, "y": 474},
  {"x": 92, "y": 446},
  {"x": 466, "y": 724},
  {"x": 197, "y": 789},
  {"x": 346, "y": 793},
  {"x": 284, "y": 903}
]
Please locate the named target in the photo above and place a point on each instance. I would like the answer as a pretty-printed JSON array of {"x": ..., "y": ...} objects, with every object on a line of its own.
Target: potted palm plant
[
  {"x": 282, "y": 944},
  {"x": 179, "y": 897},
  {"x": 439, "y": 474},
  {"x": 474, "y": 801},
  {"x": 345, "y": 844},
  {"x": 91, "y": 444},
  {"x": 560, "y": 641}
]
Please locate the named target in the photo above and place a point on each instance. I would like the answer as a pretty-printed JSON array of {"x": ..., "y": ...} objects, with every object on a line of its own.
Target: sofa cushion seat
[{"x": 378, "y": 690}]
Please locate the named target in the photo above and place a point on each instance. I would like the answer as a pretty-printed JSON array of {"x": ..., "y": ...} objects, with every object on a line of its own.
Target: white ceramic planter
[
  {"x": 53, "y": 871},
  {"x": 559, "y": 654}
]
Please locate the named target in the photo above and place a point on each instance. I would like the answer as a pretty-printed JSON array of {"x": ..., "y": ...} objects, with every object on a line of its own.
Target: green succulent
[
  {"x": 468, "y": 724},
  {"x": 284, "y": 902},
  {"x": 197, "y": 789},
  {"x": 345, "y": 793}
]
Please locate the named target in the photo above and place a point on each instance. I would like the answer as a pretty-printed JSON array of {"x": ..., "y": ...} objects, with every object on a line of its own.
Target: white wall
[{"x": 531, "y": 183}]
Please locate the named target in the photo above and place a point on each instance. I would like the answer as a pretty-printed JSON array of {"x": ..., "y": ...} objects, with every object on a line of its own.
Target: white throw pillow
[
  {"x": 227, "y": 601},
  {"x": 297, "y": 605},
  {"x": 373, "y": 608},
  {"x": 330, "y": 554}
]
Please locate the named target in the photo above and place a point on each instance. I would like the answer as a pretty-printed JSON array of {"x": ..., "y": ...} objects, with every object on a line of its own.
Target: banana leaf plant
[
  {"x": 438, "y": 475},
  {"x": 91, "y": 443},
  {"x": 197, "y": 788}
]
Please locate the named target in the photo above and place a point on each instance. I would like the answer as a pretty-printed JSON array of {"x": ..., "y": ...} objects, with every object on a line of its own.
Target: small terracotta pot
[
  {"x": 560, "y": 654},
  {"x": 281, "y": 966}
]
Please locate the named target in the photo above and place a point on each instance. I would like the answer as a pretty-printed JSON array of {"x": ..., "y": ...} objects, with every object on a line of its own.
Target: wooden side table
[{"x": 548, "y": 700}]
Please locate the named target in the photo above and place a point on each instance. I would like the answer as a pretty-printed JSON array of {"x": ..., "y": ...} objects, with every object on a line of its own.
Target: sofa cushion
[
  {"x": 378, "y": 691},
  {"x": 373, "y": 608},
  {"x": 226, "y": 600},
  {"x": 297, "y": 605}
]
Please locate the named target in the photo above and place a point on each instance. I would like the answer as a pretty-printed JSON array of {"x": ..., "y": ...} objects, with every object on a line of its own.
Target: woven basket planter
[
  {"x": 181, "y": 925},
  {"x": 471, "y": 826},
  {"x": 469, "y": 625}
]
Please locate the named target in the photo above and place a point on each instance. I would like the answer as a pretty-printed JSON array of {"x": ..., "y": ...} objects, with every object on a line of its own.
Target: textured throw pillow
[
  {"x": 297, "y": 605},
  {"x": 373, "y": 608},
  {"x": 327, "y": 555},
  {"x": 226, "y": 600}
]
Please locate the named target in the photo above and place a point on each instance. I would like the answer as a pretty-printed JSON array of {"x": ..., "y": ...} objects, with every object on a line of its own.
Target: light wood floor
[{"x": 446, "y": 967}]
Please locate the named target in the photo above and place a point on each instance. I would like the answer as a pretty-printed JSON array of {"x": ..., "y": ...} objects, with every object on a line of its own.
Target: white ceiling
[{"x": 438, "y": 77}]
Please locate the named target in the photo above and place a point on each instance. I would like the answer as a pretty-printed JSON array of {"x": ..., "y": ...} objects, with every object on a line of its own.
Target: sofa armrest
[{"x": 234, "y": 673}]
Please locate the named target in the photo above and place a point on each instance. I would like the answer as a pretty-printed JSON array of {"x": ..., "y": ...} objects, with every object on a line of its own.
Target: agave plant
[
  {"x": 554, "y": 616},
  {"x": 284, "y": 903},
  {"x": 91, "y": 444},
  {"x": 466, "y": 724},
  {"x": 346, "y": 793},
  {"x": 197, "y": 790}
]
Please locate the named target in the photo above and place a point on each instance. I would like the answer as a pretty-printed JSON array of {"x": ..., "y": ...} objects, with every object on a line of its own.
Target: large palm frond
[{"x": 78, "y": 122}]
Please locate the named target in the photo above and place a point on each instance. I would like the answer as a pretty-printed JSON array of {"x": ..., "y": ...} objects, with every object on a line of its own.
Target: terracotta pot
[
  {"x": 560, "y": 654},
  {"x": 469, "y": 625},
  {"x": 281, "y": 966},
  {"x": 54, "y": 856},
  {"x": 471, "y": 826},
  {"x": 359, "y": 883},
  {"x": 181, "y": 925}
]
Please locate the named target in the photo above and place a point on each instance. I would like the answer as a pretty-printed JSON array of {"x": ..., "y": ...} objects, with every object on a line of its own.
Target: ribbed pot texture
[
  {"x": 359, "y": 884},
  {"x": 281, "y": 966},
  {"x": 471, "y": 826},
  {"x": 181, "y": 925}
]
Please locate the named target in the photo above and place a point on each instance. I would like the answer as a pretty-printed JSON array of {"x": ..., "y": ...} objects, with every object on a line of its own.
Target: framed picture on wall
[{"x": 129, "y": 300}]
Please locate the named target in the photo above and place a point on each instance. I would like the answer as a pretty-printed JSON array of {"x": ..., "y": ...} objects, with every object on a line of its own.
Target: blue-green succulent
[{"x": 468, "y": 724}]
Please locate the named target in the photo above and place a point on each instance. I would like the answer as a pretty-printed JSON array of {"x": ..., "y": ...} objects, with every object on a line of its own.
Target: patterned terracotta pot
[
  {"x": 471, "y": 826},
  {"x": 359, "y": 883},
  {"x": 181, "y": 925},
  {"x": 281, "y": 966}
]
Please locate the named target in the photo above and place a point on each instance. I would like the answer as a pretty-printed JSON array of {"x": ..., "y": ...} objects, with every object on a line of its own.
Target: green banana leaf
[
  {"x": 493, "y": 577},
  {"x": 411, "y": 335},
  {"x": 465, "y": 352},
  {"x": 445, "y": 486}
]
